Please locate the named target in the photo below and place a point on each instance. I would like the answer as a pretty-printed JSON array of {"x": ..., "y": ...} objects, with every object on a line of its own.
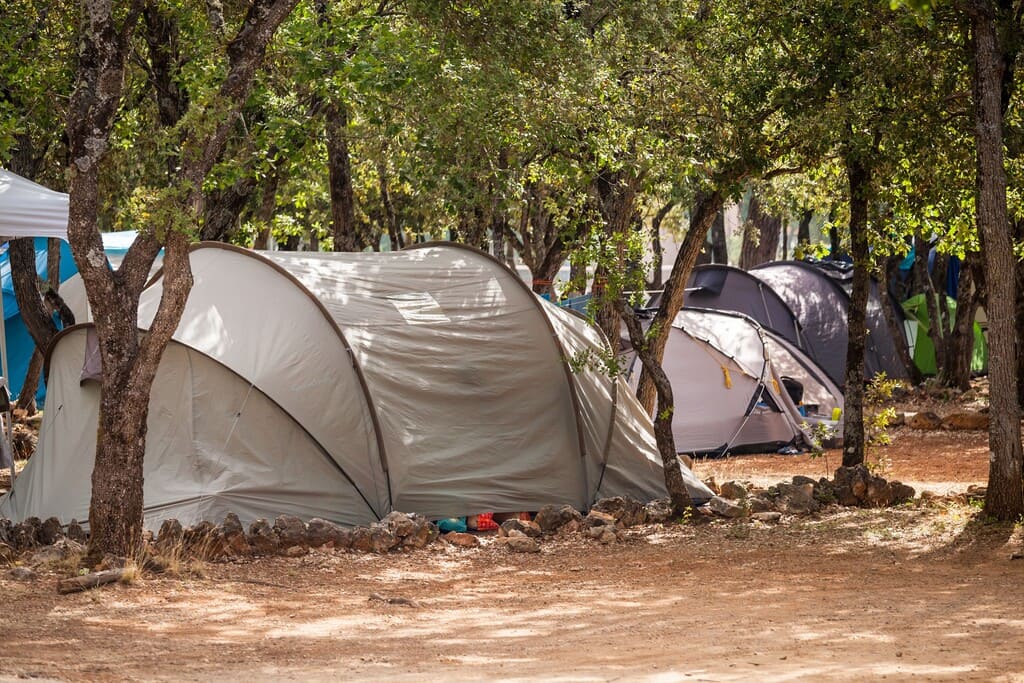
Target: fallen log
[{"x": 76, "y": 584}]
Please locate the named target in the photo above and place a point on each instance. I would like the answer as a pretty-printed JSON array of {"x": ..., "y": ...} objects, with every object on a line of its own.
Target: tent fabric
[
  {"x": 31, "y": 210},
  {"x": 725, "y": 288},
  {"x": 728, "y": 377},
  {"x": 918, "y": 328},
  {"x": 429, "y": 380},
  {"x": 820, "y": 299}
]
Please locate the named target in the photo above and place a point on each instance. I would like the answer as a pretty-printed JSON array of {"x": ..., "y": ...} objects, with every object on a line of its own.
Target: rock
[
  {"x": 797, "y": 499},
  {"x": 733, "y": 490},
  {"x": 22, "y": 574},
  {"x": 296, "y": 551},
  {"x": 879, "y": 493},
  {"x": 712, "y": 484},
  {"x": 170, "y": 535},
  {"x": 901, "y": 493},
  {"x": 362, "y": 539},
  {"x": 626, "y": 511},
  {"x": 929, "y": 495},
  {"x": 382, "y": 538},
  {"x": 400, "y": 524},
  {"x": 50, "y": 531},
  {"x": 25, "y": 534},
  {"x": 7, "y": 553},
  {"x": 596, "y": 518},
  {"x": 608, "y": 535},
  {"x": 851, "y": 484},
  {"x": 756, "y": 505},
  {"x": 966, "y": 421},
  {"x": 321, "y": 532},
  {"x": 232, "y": 537},
  {"x": 658, "y": 511},
  {"x": 290, "y": 531},
  {"x": 5, "y": 530},
  {"x": 825, "y": 492},
  {"x": 726, "y": 508},
  {"x": 767, "y": 517},
  {"x": 530, "y": 529},
  {"x": 262, "y": 538},
  {"x": 800, "y": 480},
  {"x": 462, "y": 540},
  {"x": 521, "y": 544},
  {"x": 424, "y": 534},
  {"x": 924, "y": 420},
  {"x": 76, "y": 533},
  {"x": 57, "y": 552},
  {"x": 551, "y": 518}
]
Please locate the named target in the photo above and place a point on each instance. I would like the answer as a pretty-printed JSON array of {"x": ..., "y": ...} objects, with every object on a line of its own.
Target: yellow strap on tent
[
  {"x": 776, "y": 385},
  {"x": 728, "y": 379}
]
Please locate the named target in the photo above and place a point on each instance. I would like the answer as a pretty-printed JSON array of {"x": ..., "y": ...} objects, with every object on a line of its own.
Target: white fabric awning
[{"x": 31, "y": 210}]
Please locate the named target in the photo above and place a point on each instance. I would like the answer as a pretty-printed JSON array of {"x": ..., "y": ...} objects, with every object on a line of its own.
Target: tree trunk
[
  {"x": 719, "y": 246},
  {"x": 706, "y": 207},
  {"x": 937, "y": 325},
  {"x": 129, "y": 360},
  {"x": 659, "y": 254},
  {"x": 803, "y": 231},
  {"x": 339, "y": 166},
  {"x": 616, "y": 192},
  {"x": 22, "y": 254},
  {"x": 266, "y": 210},
  {"x": 853, "y": 421},
  {"x": 30, "y": 387},
  {"x": 677, "y": 491},
  {"x": 390, "y": 215},
  {"x": 960, "y": 349},
  {"x": 224, "y": 208},
  {"x": 892, "y": 264},
  {"x": 760, "y": 236},
  {"x": 1004, "y": 499}
]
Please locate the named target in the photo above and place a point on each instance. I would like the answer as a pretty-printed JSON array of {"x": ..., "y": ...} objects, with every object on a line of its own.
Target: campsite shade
[
  {"x": 922, "y": 347},
  {"x": 725, "y": 288},
  {"x": 345, "y": 386},
  {"x": 821, "y": 302},
  {"x": 729, "y": 378}
]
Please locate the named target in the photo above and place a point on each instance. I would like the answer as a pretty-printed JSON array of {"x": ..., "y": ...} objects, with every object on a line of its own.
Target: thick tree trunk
[
  {"x": 706, "y": 207},
  {"x": 224, "y": 209},
  {"x": 40, "y": 325},
  {"x": 390, "y": 215},
  {"x": 339, "y": 166},
  {"x": 30, "y": 386},
  {"x": 677, "y": 491},
  {"x": 854, "y": 443},
  {"x": 1005, "y": 494},
  {"x": 760, "y": 236},
  {"x": 129, "y": 361}
]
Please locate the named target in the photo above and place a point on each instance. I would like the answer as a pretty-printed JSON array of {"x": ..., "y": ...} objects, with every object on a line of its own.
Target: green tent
[{"x": 921, "y": 346}]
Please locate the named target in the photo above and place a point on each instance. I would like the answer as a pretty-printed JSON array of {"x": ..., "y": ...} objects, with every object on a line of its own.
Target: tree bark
[
  {"x": 854, "y": 442},
  {"x": 803, "y": 231},
  {"x": 224, "y": 207},
  {"x": 339, "y": 167},
  {"x": 616, "y": 192},
  {"x": 706, "y": 207},
  {"x": 719, "y": 246},
  {"x": 1004, "y": 499},
  {"x": 22, "y": 254},
  {"x": 129, "y": 360},
  {"x": 960, "y": 349},
  {"x": 892, "y": 264},
  {"x": 30, "y": 386},
  {"x": 937, "y": 325},
  {"x": 760, "y": 236},
  {"x": 659, "y": 253},
  {"x": 677, "y": 491},
  {"x": 265, "y": 212}
]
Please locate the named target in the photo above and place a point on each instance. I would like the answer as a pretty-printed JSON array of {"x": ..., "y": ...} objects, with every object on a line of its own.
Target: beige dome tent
[
  {"x": 739, "y": 387},
  {"x": 345, "y": 386}
]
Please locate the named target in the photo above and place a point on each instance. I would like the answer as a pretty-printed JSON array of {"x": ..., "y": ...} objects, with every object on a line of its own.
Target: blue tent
[{"x": 19, "y": 342}]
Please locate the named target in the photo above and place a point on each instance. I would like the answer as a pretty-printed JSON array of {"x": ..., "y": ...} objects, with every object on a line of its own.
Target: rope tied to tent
[{"x": 728, "y": 378}]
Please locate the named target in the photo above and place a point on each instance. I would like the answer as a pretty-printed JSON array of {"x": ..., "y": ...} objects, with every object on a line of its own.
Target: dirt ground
[{"x": 923, "y": 592}]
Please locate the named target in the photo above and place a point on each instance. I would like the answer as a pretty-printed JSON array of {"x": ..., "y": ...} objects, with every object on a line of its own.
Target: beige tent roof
[{"x": 348, "y": 385}]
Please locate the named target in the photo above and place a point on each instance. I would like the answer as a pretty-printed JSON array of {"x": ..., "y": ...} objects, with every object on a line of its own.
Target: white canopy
[{"x": 31, "y": 210}]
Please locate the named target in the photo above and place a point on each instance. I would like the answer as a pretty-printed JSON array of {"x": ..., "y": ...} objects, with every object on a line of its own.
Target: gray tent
[
  {"x": 725, "y": 288},
  {"x": 821, "y": 301},
  {"x": 739, "y": 387},
  {"x": 345, "y": 386}
]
